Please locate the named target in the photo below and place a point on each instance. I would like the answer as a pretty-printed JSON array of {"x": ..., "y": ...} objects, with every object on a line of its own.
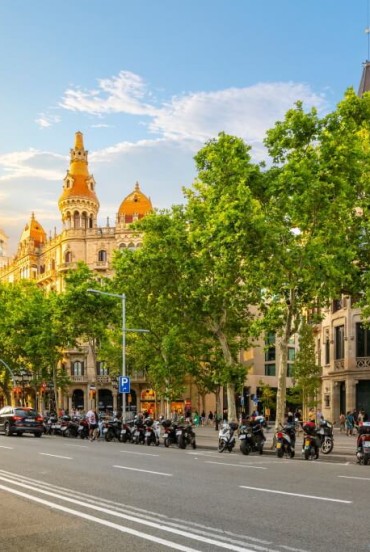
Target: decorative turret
[
  {"x": 135, "y": 206},
  {"x": 78, "y": 203},
  {"x": 34, "y": 232}
]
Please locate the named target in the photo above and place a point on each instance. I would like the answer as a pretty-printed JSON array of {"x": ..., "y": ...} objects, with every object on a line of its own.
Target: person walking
[
  {"x": 342, "y": 423},
  {"x": 350, "y": 422},
  {"x": 92, "y": 420}
]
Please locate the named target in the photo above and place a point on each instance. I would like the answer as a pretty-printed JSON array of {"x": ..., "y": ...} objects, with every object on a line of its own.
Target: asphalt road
[{"x": 71, "y": 495}]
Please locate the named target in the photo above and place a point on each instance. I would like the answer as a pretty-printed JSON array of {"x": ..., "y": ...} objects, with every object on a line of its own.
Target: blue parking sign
[{"x": 124, "y": 384}]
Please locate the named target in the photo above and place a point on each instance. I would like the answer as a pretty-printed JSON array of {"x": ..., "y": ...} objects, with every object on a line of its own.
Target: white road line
[
  {"x": 56, "y": 456},
  {"x": 236, "y": 465},
  {"x": 10, "y": 448},
  {"x": 141, "y": 453},
  {"x": 145, "y": 471},
  {"x": 353, "y": 477},
  {"x": 88, "y": 517},
  {"x": 79, "y": 446},
  {"x": 296, "y": 494},
  {"x": 228, "y": 546}
]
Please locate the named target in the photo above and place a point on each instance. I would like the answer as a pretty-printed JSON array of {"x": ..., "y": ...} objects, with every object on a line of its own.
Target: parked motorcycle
[
  {"x": 226, "y": 436},
  {"x": 83, "y": 429},
  {"x": 325, "y": 433},
  {"x": 127, "y": 431},
  {"x": 112, "y": 429},
  {"x": 363, "y": 443},
  {"x": 285, "y": 441},
  {"x": 311, "y": 442},
  {"x": 152, "y": 432},
  {"x": 138, "y": 435},
  {"x": 169, "y": 436},
  {"x": 71, "y": 428},
  {"x": 252, "y": 438},
  {"x": 185, "y": 436}
]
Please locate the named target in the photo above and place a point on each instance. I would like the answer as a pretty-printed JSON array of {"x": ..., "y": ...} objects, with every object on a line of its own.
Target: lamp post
[
  {"x": 23, "y": 377},
  {"x": 124, "y": 330}
]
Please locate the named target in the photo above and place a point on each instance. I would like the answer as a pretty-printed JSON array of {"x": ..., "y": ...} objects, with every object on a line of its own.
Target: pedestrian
[
  {"x": 342, "y": 423},
  {"x": 311, "y": 415},
  {"x": 350, "y": 422},
  {"x": 210, "y": 417},
  {"x": 203, "y": 418},
  {"x": 92, "y": 420}
]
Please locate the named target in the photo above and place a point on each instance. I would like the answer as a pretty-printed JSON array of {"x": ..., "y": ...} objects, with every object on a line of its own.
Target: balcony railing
[
  {"x": 339, "y": 364},
  {"x": 363, "y": 362},
  {"x": 79, "y": 379}
]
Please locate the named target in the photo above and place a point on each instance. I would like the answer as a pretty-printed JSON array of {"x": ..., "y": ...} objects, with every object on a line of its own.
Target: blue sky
[{"x": 149, "y": 81}]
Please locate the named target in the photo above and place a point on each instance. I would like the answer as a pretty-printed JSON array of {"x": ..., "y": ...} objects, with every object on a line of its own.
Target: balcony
[
  {"x": 339, "y": 365},
  {"x": 103, "y": 380},
  {"x": 363, "y": 363},
  {"x": 79, "y": 379}
]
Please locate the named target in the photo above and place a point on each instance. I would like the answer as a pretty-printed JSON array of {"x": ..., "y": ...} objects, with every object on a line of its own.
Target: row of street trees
[{"x": 253, "y": 249}]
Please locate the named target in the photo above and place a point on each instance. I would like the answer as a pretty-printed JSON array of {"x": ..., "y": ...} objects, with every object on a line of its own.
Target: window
[
  {"x": 339, "y": 342},
  {"x": 290, "y": 370},
  {"x": 270, "y": 349},
  {"x": 77, "y": 368},
  {"x": 337, "y": 305},
  {"x": 362, "y": 341},
  {"x": 327, "y": 350},
  {"x": 101, "y": 368},
  {"x": 102, "y": 256},
  {"x": 68, "y": 257},
  {"x": 291, "y": 353},
  {"x": 270, "y": 370}
]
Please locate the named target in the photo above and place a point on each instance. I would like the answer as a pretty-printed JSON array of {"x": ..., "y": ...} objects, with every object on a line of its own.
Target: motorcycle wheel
[
  {"x": 109, "y": 436},
  {"x": 194, "y": 445},
  {"x": 280, "y": 452},
  {"x": 307, "y": 454},
  {"x": 221, "y": 445},
  {"x": 245, "y": 448},
  {"x": 182, "y": 442},
  {"x": 166, "y": 442},
  {"x": 148, "y": 441},
  {"x": 292, "y": 453},
  {"x": 67, "y": 433},
  {"x": 316, "y": 456},
  {"x": 327, "y": 445},
  {"x": 366, "y": 460}
]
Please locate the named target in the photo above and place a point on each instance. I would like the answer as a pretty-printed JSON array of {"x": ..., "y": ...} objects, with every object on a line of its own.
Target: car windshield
[{"x": 25, "y": 412}]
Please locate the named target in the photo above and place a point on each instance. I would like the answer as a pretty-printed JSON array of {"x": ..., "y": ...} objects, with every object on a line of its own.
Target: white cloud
[
  {"x": 124, "y": 93},
  {"x": 46, "y": 120},
  {"x": 31, "y": 164}
]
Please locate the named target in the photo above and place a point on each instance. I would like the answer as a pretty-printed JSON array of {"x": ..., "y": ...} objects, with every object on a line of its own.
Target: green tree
[{"x": 318, "y": 180}]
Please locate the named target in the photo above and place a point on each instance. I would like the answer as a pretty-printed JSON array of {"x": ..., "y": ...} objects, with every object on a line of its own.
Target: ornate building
[{"x": 45, "y": 260}]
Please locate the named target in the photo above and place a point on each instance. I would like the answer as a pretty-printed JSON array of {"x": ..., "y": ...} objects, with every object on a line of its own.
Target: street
[{"x": 68, "y": 494}]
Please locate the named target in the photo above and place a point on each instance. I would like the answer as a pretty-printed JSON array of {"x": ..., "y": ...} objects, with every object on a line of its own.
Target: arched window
[
  {"x": 68, "y": 257},
  {"x": 131, "y": 246},
  {"x": 76, "y": 219},
  {"x": 122, "y": 246},
  {"x": 77, "y": 368},
  {"x": 102, "y": 256}
]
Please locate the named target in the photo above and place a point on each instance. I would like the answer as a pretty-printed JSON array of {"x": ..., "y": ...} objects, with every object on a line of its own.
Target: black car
[{"x": 20, "y": 419}]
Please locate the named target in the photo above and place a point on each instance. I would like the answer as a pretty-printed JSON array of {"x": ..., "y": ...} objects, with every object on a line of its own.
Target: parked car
[{"x": 21, "y": 419}]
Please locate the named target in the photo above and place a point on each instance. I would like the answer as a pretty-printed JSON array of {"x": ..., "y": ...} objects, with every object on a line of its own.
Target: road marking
[
  {"x": 296, "y": 494},
  {"x": 10, "y": 448},
  {"x": 79, "y": 446},
  {"x": 56, "y": 456},
  {"x": 211, "y": 541},
  {"x": 145, "y": 471},
  {"x": 236, "y": 465},
  {"x": 353, "y": 477},
  {"x": 141, "y": 453}
]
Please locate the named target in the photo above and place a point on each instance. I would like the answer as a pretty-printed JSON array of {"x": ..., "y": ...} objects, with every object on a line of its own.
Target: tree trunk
[
  {"x": 282, "y": 368},
  {"x": 230, "y": 387}
]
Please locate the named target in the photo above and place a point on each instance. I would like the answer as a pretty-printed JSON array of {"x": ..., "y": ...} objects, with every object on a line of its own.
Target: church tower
[{"x": 78, "y": 203}]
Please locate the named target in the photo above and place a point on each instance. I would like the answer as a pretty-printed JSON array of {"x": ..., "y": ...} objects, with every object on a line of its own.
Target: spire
[{"x": 365, "y": 79}]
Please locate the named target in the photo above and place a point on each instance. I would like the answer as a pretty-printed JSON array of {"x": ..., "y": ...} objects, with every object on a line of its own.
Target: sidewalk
[{"x": 207, "y": 438}]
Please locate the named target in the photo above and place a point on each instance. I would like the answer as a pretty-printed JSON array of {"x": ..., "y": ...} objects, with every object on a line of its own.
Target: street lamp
[
  {"x": 23, "y": 377},
  {"x": 124, "y": 330}
]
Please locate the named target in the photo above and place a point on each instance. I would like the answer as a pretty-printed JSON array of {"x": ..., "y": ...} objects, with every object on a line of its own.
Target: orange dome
[
  {"x": 135, "y": 204},
  {"x": 34, "y": 231}
]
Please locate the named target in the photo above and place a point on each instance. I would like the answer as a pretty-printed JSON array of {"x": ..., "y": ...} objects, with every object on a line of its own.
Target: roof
[
  {"x": 33, "y": 230},
  {"x": 365, "y": 79},
  {"x": 136, "y": 203}
]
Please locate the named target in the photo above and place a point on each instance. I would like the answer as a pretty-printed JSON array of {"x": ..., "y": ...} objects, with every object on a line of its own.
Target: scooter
[
  {"x": 325, "y": 433},
  {"x": 226, "y": 437},
  {"x": 285, "y": 441},
  {"x": 311, "y": 442},
  {"x": 363, "y": 444},
  {"x": 252, "y": 438},
  {"x": 152, "y": 432},
  {"x": 169, "y": 436},
  {"x": 185, "y": 436}
]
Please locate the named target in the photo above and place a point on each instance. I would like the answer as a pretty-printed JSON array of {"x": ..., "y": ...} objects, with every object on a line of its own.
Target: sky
[{"x": 149, "y": 82}]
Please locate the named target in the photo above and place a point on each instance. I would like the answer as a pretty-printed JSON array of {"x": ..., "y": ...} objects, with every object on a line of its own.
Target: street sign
[{"x": 124, "y": 384}]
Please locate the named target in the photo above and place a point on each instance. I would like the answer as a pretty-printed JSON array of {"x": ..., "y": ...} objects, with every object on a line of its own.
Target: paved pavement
[{"x": 207, "y": 438}]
